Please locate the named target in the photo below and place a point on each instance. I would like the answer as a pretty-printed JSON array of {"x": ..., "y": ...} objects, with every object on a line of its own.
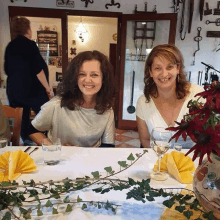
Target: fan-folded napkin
[
  {"x": 13, "y": 164},
  {"x": 178, "y": 166}
]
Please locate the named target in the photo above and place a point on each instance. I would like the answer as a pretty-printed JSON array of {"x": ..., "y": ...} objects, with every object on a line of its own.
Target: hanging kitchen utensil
[
  {"x": 201, "y": 6},
  {"x": 200, "y": 82},
  {"x": 217, "y": 10},
  {"x": 131, "y": 108},
  {"x": 198, "y": 78},
  {"x": 182, "y": 21},
  {"x": 215, "y": 34},
  {"x": 207, "y": 11},
  {"x": 175, "y": 6},
  {"x": 189, "y": 76},
  {"x": 191, "y": 8},
  {"x": 197, "y": 39},
  {"x": 216, "y": 22}
]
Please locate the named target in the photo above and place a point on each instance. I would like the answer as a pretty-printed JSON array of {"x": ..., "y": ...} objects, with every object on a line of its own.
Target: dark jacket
[{"x": 23, "y": 62}]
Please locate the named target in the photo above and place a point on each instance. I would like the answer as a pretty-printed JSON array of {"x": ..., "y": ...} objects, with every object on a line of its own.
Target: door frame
[
  {"x": 62, "y": 14},
  {"x": 172, "y": 17}
]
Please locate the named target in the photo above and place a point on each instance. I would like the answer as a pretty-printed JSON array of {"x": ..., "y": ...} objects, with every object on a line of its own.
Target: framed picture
[
  {"x": 52, "y": 61},
  {"x": 59, "y": 62},
  {"x": 59, "y": 76}
]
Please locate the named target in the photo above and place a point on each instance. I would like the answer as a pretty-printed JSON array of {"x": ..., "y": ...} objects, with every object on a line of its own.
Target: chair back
[{"x": 15, "y": 127}]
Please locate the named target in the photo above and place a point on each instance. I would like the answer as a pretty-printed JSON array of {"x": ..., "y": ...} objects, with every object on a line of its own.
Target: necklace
[{"x": 165, "y": 112}]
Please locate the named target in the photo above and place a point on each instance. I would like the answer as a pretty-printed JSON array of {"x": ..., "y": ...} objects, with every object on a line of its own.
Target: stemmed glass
[{"x": 159, "y": 141}]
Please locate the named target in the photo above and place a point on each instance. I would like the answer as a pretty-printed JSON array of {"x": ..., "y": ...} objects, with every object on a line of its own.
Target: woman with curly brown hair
[
  {"x": 166, "y": 92},
  {"x": 27, "y": 82},
  {"x": 81, "y": 114}
]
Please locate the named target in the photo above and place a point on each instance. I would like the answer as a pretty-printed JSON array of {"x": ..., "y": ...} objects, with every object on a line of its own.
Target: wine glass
[{"x": 159, "y": 141}]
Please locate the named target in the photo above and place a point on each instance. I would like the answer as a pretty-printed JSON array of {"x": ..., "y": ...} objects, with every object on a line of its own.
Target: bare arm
[
  {"x": 42, "y": 78},
  {"x": 143, "y": 132},
  {"x": 37, "y": 138}
]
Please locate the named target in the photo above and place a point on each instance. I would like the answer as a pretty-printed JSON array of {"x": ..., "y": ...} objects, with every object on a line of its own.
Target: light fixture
[
  {"x": 148, "y": 51},
  {"x": 81, "y": 32}
]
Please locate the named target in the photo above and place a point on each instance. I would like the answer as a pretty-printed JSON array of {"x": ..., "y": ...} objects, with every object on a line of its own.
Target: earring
[{"x": 178, "y": 78}]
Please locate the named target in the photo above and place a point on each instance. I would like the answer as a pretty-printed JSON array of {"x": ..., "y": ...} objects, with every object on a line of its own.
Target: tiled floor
[{"x": 126, "y": 138}]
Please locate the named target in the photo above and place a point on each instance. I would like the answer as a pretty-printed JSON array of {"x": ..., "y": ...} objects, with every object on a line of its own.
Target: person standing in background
[{"x": 27, "y": 82}]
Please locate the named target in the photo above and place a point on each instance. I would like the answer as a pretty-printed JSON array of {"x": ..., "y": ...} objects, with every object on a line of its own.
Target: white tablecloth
[{"x": 78, "y": 162}]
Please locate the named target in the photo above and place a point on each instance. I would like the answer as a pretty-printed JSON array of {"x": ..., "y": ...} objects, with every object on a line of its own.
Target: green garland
[{"x": 48, "y": 194}]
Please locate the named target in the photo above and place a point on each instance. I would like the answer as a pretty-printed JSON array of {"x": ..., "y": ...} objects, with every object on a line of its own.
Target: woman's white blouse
[
  {"x": 150, "y": 114},
  {"x": 83, "y": 127}
]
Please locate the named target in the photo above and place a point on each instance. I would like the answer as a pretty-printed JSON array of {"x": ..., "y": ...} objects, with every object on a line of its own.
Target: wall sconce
[{"x": 81, "y": 32}]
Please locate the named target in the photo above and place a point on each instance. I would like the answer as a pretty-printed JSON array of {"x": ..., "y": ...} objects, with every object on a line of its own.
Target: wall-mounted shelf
[{"x": 47, "y": 43}]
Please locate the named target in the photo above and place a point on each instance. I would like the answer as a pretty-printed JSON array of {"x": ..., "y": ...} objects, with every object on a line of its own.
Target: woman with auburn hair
[
  {"x": 166, "y": 92},
  {"x": 27, "y": 82},
  {"x": 81, "y": 114}
]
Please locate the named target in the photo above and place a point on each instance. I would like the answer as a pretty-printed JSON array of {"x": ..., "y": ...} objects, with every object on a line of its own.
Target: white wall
[
  {"x": 188, "y": 46},
  {"x": 100, "y": 33}
]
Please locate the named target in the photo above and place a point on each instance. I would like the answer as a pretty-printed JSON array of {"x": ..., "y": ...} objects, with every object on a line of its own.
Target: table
[{"x": 78, "y": 162}]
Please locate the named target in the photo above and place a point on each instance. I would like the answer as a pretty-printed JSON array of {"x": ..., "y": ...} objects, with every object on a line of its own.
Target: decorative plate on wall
[{"x": 114, "y": 37}]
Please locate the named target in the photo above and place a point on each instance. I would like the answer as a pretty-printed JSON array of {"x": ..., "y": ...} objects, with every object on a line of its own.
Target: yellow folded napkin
[
  {"x": 13, "y": 164},
  {"x": 178, "y": 166}
]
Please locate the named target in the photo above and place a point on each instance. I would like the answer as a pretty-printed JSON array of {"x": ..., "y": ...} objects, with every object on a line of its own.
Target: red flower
[
  {"x": 205, "y": 111},
  {"x": 212, "y": 91},
  {"x": 206, "y": 141},
  {"x": 185, "y": 128}
]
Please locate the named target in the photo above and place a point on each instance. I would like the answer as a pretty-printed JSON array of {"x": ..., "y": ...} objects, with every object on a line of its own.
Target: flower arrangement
[{"x": 202, "y": 123}]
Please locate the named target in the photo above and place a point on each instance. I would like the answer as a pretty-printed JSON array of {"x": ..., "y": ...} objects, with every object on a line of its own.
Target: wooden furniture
[
  {"x": 136, "y": 30},
  {"x": 47, "y": 43},
  {"x": 15, "y": 127}
]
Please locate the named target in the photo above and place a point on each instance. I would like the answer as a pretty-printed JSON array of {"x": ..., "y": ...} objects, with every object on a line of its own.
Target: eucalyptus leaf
[
  {"x": 48, "y": 204},
  {"x": 66, "y": 200},
  {"x": 95, "y": 174},
  {"x": 108, "y": 169},
  {"x": 168, "y": 203},
  {"x": 23, "y": 211},
  {"x": 122, "y": 163},
  {"x": 4, "y": 184},
  {"x": 84, "y": 206},
  {"x": 7, "y": 216},
  {"x": 79, "y": 199},
  {"x": 68, "y": 208},
  {"x": 39, "y": 212},
  {"x": 131, "y": 157},
  {"x": 188, "y": 214},
  {"x": 150, "y": 198},
  {"x": 55, "y": 211},
  {"x": 180, "y": 208},
  {"x": 209, "y": 215}
]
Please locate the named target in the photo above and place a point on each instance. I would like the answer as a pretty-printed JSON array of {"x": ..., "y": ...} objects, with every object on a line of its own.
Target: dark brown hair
[
  {"x": 172, "y": 54},
  {"x": 19, "y": 26},
  {"x": 70, "y": 92}
]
